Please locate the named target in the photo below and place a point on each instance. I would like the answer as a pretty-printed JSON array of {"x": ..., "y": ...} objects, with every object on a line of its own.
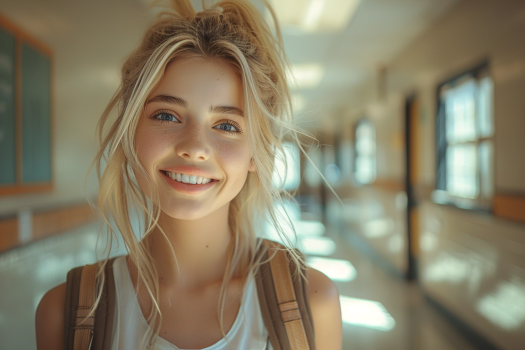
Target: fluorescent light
[
  {"x": 306, "y": 75},
  {"x": 314, "y": 15},
  {"x": 366, "y": 313}
]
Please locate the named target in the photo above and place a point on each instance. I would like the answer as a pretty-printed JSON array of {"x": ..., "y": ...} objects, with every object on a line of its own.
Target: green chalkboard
[
  {"x": 7, "y": 109},
  {"x": 36, "y": 146}
]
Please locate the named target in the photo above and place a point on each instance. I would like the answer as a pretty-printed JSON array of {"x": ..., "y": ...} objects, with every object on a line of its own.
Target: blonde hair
[{"x": 235, "y": 32}]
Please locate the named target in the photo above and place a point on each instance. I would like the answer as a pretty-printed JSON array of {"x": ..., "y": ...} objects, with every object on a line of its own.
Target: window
[
  {"x": 465, "y": 130},
  {"x": 365, "y": 152}
]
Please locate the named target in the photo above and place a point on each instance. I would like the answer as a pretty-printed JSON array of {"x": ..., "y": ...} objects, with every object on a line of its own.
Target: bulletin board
[
  {"x": 25, "y": 112},
  {"x": 7, "y": 108}
]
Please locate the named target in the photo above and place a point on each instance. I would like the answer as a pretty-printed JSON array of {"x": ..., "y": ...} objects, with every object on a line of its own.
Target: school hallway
[{"x": 410, "y": 194}]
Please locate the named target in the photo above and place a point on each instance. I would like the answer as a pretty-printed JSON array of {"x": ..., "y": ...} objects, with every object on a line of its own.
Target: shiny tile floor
[
  {"x": 380, "y": 310},
  {"x": 386, "y": 312}
]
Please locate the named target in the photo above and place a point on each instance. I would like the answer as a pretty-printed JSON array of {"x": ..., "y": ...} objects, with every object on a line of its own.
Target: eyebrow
[
  {"x": 227, "y": 110},
  {"x": 183, "y": 103},
  {"x": 169, "y": 99}
]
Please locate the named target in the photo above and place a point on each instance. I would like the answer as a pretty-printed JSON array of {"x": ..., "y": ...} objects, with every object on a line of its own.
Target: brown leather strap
[
  {"x": 269, "y": 307},
  {"x": 285, "y": 312},
  {"x": 104, "y": 314},
  {"x": 84, "y": 325},
  {"x": 284, "y": 290},
  {"x": 71, "y": 306}
]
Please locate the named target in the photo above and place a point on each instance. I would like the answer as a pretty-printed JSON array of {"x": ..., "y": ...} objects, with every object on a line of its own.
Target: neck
[{"x": 201, "y": 248}]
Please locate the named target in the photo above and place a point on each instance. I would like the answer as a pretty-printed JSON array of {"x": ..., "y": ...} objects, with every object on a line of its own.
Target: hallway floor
[
  {"x": 381, "y": 311},
  {"x": 387, "y": 312}
]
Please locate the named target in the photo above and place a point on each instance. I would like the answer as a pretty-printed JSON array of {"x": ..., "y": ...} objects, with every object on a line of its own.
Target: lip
[
  {"x": 187, "y": 188},
  {"x": 189, "y": 170}
]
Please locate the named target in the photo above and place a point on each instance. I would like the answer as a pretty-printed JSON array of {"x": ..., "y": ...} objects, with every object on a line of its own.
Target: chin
[{"x": 184, "y": 210}]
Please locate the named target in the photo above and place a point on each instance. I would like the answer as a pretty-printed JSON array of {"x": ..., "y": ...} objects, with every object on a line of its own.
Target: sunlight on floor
[
  {"x": 366, "y": 313},
  {"x": 318, "y": 245},
  {"x": 335, "y": 269}
]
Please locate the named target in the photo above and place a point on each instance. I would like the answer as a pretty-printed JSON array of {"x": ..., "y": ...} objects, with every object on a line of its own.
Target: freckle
[
  {"x": 315, "y": 292},
  {"x": 206, "y": 246}
]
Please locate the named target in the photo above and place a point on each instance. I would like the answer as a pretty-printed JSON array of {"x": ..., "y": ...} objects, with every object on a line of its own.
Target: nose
[{"x": 193, "y": 145}]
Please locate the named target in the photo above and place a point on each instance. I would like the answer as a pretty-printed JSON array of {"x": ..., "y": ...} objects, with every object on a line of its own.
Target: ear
[{"x": 251, "y": 167}]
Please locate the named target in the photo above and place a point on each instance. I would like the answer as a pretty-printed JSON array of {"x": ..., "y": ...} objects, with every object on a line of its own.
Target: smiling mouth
[{"x": 187, "y": 179}]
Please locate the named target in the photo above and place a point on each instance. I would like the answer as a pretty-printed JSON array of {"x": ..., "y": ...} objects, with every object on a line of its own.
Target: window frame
[
  {"x": 440, "y": 195},
  {"x": 22, "y": 185}
]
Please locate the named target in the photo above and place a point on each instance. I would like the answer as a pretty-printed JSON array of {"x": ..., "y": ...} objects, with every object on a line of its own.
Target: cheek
[
  {"x": 235, "y": 158},
  {"x": 151, "y": 147}
]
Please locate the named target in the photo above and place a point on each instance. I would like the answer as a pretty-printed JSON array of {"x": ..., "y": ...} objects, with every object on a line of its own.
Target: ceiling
[
  {"x": 96, "y": 37},
  {"x": 377, "y": 33}
]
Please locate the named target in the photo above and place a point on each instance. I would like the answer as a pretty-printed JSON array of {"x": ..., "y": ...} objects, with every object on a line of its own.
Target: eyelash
[
  {"x": 154, "y": 116},
  {"x": 230, "y": 123},
  {"x": 222, "y": 122}
]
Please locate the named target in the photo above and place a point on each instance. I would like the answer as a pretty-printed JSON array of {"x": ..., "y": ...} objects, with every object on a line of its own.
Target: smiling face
[{"x": 192, "y": 138}]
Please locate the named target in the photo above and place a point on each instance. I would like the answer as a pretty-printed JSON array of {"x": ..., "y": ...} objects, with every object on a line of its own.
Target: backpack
[{"x": 283, "y": 301}]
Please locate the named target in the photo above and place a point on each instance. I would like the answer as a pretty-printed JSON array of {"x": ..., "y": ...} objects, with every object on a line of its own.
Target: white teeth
[{"x": 189, "y": 179}]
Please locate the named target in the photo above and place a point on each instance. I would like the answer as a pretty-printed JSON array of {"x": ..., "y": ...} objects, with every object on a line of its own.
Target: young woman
[{"x": 202, "y": 111}]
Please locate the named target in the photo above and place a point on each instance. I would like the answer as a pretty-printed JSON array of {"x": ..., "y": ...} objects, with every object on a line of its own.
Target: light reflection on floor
[
  {"x": 366, "y": 313},
  {"x": 378, "y": 227},
  {"x": 337, "y": 269},
  {"x": 505, "y": 307},
  {"x": 380, "y": 311},
  {"x": 317, "y": 245}
]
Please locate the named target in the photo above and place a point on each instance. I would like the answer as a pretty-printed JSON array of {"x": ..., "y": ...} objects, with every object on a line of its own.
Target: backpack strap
[
  {"x": 284, "y": 302},
  {"x": 94, "y": 332}
]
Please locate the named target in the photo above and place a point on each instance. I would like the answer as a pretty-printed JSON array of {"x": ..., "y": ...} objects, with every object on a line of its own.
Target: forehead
[{"x": 202, "y": 81}]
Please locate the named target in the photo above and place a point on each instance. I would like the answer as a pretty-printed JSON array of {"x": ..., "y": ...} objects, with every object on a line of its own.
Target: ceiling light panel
[{"x": 314, "y": 15}]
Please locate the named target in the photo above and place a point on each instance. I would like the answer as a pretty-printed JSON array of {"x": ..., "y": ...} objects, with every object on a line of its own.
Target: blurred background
[{"x": 419, "y": 109}]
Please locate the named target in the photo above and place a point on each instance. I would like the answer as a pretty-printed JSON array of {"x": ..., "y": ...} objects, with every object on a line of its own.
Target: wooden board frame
[{"x": 22, "y": 37}]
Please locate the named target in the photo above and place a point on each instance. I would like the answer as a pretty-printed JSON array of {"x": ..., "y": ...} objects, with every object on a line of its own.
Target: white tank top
[{"x": 247, "y": 332}]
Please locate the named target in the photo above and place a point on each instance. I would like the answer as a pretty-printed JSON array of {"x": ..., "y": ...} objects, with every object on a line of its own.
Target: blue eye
[
  {"x": 165, "y": 117},
  {"x": 228, "y": 127}
]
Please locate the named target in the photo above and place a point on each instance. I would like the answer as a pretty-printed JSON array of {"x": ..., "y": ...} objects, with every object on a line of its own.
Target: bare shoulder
[
  {"x": 321, "y": 288},
  {"x": 49, "y": 319},
  {"x": 326, "y": 310}
]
